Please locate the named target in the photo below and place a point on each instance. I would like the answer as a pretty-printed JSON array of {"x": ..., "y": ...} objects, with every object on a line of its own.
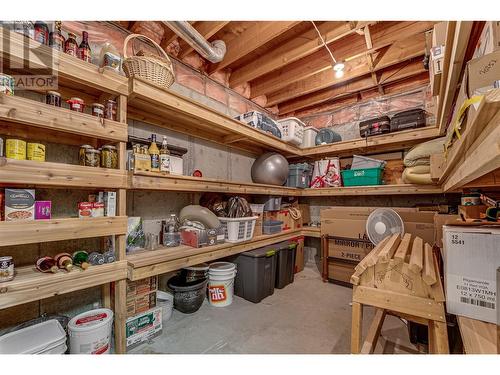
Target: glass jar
[
  {"x": 109, "y": 157},
  {"x": 53, "y": 98},
  {"x": 92, "y": 157},
  {"x": 41, "y": 32},
  {"x": 70, "y": 45},
  {"x": 6, "y": 84},
  {"x": 83, "y": 150},
  {"x": 76, "y": 104},
  {"x": 111, "y": 108},
  {"x": 98, "y": 110}
]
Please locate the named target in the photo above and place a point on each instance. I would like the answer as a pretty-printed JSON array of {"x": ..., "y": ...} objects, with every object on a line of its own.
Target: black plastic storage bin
[
  {"x": 285, "y": 263},
  {"x": 256, "y": 273}
]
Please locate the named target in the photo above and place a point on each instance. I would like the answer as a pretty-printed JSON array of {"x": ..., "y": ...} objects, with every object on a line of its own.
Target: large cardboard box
[
  {"x": 439, "y": 34},
  {"x": 441, "y": 220},
  {"x": 305, "y": 210},
  {"x": 347, "y": 227},
  {"x": 471, "y": 258},
  {"x": 143, "y": 327},
  {"x": 482, "y": 73},
  {"x": 299, "y": 254},
  {"x": 489, "y": 41},
  {"x": 340, "y": 271}
]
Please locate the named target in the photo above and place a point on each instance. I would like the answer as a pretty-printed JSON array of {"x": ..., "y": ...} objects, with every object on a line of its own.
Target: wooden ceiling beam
[
  {"x": 293, "y": 50},
  {"x": 391, "y": 74},
  {"x": 255, "y": 36},
  {"x": 348, "y": 48},
  {"x": 398, "y": 52},
  {"x": 207, "y": 29}
]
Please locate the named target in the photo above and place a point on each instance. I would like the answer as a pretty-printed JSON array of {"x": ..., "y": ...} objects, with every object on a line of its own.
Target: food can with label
[
  {"x": 15, "y": 149},
  {"x": 35, "y": 151},
  {"x": 6, "y": 269},
  {"x": 6, "y": 84},
  {"x": 1, "y": 146}
]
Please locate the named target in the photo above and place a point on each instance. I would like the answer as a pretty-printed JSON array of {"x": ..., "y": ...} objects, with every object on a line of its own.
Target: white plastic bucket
[
  {"x": 165, "y": 300},
  {"x": 221, "y": 283},
  {"x": 90, "y": 332}
]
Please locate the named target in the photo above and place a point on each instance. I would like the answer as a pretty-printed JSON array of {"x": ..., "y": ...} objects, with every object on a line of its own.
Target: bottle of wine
[
  {"x": 64, "y": 261},
  {"x": 164, "y": 157},
  {"x": 84, "y": 52},
  {"x": 80, "y": 258},
  {"x": 56, "y": 39},
  {"x": 154, "y": 152},
  {"x": 46, "y": 264}
]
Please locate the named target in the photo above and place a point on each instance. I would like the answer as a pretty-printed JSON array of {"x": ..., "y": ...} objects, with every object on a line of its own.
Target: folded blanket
[
  {"x": 420, "y": 154},
  {"x": 417, "y": 175}
]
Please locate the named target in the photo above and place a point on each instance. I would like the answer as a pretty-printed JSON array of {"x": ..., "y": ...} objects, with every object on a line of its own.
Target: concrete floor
[{"x": 308, "y": 316}]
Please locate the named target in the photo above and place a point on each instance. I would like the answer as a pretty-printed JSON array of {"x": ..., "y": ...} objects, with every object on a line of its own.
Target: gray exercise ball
[{"x": 270, "y": 168}]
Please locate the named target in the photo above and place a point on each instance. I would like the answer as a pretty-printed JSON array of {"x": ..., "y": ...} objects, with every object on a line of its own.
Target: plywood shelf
[
  {"x": 373, "y": 190},
  {"x": 32, "y": 285},
  {"x": 26, "y": 232},
  {"x": 379, "y": 143},
  {"x": 170, "y": 110},
  {"x": 149, "y": 263},
  {"x": 33, "y": 173},
  {"x": 156, "y": 181},
  {"x": 34, "y": 113},
  {"x": 69, "y": 69},
  {"x": 479, "y": 337}
]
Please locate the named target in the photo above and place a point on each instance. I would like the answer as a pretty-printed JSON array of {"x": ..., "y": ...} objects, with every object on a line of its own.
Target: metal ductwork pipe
[{"x": 213, "y": 52}]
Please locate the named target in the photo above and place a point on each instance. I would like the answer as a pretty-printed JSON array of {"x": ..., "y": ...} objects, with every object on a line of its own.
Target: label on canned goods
[
  {"x": 15, "y": 149},
  {"x": 6, "y": 269}
]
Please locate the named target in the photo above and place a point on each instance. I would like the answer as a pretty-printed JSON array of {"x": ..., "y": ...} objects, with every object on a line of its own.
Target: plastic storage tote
[
  {"x": 299, "y": 175},
  {"x": 363, "y": 162},
  {"x": 292, "y": 130},
  {"x": 271, "y": 226},
  {"x": 270, "y": 203},
  {"x": 285, "y": 263},
  {"x": 309, "y": 138},
  {"x": 362, "y": 177},
  {"x": 256, "y": 273},
  {"x": 238, "y": 229}
]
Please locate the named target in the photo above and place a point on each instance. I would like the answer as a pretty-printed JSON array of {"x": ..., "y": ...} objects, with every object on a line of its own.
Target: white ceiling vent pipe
[{"x": 212, "y": 51}]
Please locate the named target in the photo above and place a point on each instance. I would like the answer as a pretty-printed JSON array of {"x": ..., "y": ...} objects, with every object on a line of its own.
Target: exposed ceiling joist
[
  {"x": 391, "y": 74},
  {"x": 350, "y": 47},
  {"x": 293, "y": 50},
  {"x": 394, "y": 54},
  {"x": 255, "y": 36},
  {"x": 207, "y": 29}
]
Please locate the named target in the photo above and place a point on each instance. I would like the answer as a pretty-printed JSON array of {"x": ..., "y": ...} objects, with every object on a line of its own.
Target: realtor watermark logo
[{"x": 27, "y": 63}]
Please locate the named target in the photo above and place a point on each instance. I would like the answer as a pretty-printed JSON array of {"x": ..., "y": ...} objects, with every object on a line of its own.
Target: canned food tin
[
  {"x": 6, "y": 84},
  {"x": 6, "y": 269},
  {"x": 1, "y": 146},
  {"x": 35, "y": 151},
  {"x": 53, "y": 98},
  {"x": 109, "y": 157},
  {"x": 83, "y": 150},
  {"x": 15, "y": 149},
  {"x": 92, "y": 157}
]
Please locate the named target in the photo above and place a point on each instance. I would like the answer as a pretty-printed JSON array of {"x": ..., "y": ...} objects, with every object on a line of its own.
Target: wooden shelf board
[
  {"x": 378, "y": 143},
  {"x": 166, "y": 108},
  {"x": 69, "y": 69},
  {"x": 34, "y": 113},
  {"x": 28, "y": 172},
  {"x": 478, "y": 337},
  {"x": 314, "y": 232},
  {"x": 32, "y": 285},
  {"x": 373, "y": 190},
  {"x": 149, "y": 263},
  {"x": 156, "y": 181},
  {"x": 34, "y": 231}
]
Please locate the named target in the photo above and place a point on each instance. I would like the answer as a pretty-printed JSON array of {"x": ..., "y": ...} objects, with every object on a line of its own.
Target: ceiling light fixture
[{"x": 339, "y": 66}]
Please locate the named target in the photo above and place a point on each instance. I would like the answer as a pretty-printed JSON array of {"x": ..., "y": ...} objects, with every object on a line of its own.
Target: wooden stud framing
[{"x": 373, "y": 332}]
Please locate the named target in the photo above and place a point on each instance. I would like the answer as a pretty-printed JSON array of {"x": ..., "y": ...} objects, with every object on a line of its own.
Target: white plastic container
[
  {"x": 90, "y": 332},
  {"x": 44, "y": 338},
  {"x": 221, "y": 283},
  {"x": 309, "y": 138},
  {"x": 165, "y": 300},
  {"x": 292, "y": 130},
  {"x": 363, "y": 162},
  {"x": 238, "y": 229},
  {"x": 257, "y": 208}
]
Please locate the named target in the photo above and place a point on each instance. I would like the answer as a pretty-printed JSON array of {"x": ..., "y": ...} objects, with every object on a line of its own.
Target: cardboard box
[
  {"x": 347, "y": 226},
  {"x": 199, "y": 238},
  {"x": 19, "y": 204},
  {"x": 472, "y": 256},
  {"x": 143, "y": 286},
  {"x": 110, "y": 203},
  {"x": 439, "y": 34},
  {"x": 299, "y": 254},
  {"x": 481, "y": 73},
  {"x": 143, "y": 327},
  {"x": 284, "y": 216},
  {"x": 305, "y": 210},
  {"x": 473, "y": 212},
  {"x": 258, "y": 224},
  {"x": 439, "y": 221},
  {"x": 489, "y": 41},
  {"x": 43, "y": 210},
  {"x": 340, "y": 271}
]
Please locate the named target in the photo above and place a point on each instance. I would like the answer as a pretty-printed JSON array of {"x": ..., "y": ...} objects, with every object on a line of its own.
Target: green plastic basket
[{"x": 362, "y": 177}]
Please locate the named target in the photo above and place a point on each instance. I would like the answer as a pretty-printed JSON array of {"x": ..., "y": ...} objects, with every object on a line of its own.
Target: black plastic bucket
[
  {"x": 195, "y": 273},
  {"x": 188, "y": 296}
]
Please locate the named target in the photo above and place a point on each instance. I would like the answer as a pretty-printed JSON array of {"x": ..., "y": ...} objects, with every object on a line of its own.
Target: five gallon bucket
[
  {"x": 90, "y": 332},
  {"x": 188, "y": 297},
  {"x": 165, "y": 300},
  {"x": 221, "y": 283}
]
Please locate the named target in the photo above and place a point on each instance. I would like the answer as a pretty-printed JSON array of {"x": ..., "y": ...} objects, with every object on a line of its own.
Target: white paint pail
[
  {"x": 90, "y": 332},
  {"x": 221, "y": 283}
]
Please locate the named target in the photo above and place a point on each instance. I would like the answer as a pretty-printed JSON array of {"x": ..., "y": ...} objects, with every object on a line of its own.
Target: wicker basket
[{"x": 156, "y": 69}]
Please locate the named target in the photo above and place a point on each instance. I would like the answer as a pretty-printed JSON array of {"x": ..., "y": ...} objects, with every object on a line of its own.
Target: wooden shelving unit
[
  {"x": 26, "y": 232},
  {"x": 373, "y": 190},
  {"x": 31, "y": 285},
  {"x": 479, "y": 337},
  {"x": 33, "y": 173}
]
